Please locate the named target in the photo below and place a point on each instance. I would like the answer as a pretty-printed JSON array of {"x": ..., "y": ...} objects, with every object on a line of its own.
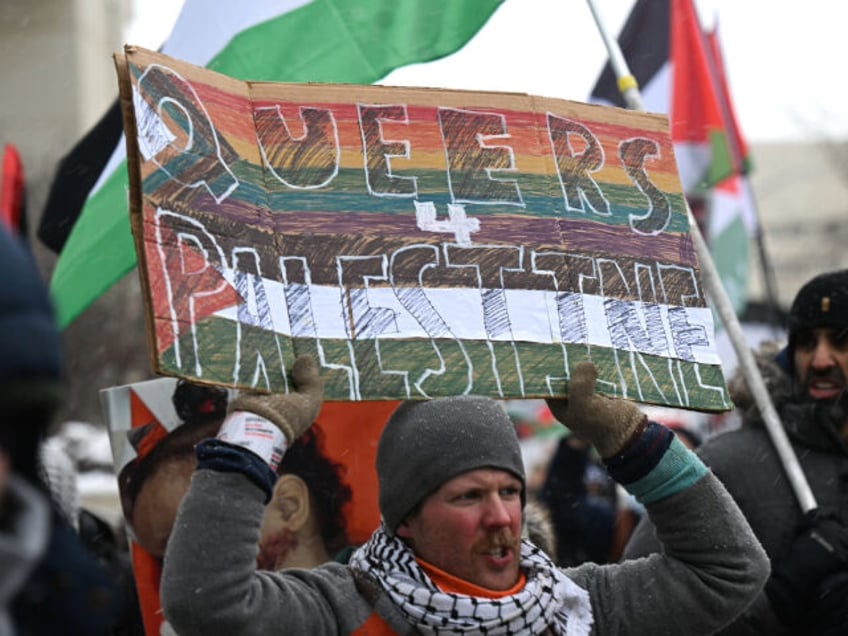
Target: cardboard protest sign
[
  {"x": 417, "y": 242},
  {"x": 142, "y": 417}
]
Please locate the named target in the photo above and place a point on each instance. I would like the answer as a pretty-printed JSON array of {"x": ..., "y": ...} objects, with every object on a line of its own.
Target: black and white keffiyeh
[{"x": 548, "y": 600}]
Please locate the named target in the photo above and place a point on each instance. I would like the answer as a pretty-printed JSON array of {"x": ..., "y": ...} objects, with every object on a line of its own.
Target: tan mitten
[
  {"x": 608, "y": 423},
  {"x": 293, "y": 412}
]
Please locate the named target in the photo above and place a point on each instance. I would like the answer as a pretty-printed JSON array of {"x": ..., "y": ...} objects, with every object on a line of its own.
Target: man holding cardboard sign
[
  {"x": 448, "y": 557},
  {"x": 303, "y": 228}
]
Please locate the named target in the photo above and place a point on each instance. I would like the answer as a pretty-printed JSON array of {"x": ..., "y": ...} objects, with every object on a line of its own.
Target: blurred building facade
[
  {"x": 802, "y": 195},
  {"x": 57, "y": 76}
]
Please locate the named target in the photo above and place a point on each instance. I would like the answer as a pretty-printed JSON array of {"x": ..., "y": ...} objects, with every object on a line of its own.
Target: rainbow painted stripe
[{"x": 418, "y": 241}]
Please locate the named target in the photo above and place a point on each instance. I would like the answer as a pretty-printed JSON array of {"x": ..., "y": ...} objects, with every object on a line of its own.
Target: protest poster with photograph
[{"x": 153, "y": 426}]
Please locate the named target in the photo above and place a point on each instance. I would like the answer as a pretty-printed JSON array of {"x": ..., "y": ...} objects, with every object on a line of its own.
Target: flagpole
[
  {"x": 769, "y": 281},
  {"x": 627, "y": 84},
  {"x": 722, "y": 303}
]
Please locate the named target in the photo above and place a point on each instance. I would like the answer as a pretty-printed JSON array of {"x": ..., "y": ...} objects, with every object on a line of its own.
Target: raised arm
[
  {"x": 210, "y": 584},
  {"x": 712, "y": 565}
]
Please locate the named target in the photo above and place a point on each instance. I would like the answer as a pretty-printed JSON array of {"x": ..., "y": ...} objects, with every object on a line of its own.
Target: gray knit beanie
[{"x": 426, "y": 443}]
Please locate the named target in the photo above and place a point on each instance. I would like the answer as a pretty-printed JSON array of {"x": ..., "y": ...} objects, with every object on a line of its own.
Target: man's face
[
  {"x": 821, "y": 362},
  {"x": 471, "y": 528}
]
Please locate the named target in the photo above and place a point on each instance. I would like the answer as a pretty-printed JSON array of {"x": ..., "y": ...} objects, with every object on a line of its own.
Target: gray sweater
[{"x": 711, "y": 569}]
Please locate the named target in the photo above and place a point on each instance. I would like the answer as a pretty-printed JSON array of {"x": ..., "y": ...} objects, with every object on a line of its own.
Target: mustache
[
  {"x": 833, "y": 374},
  {"x": 501, "y": 538}
]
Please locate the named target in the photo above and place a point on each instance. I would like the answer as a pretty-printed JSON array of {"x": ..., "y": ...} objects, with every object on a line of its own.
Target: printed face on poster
[
  {"x": 417, "y": 242},
  {"x": 153, "y": 426}
]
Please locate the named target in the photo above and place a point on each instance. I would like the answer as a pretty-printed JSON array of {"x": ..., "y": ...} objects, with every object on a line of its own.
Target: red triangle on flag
[
  {"x": 185, "y": 287},
  {"x": 738, "y": 147},
  {"x": 140, "y": 413}
]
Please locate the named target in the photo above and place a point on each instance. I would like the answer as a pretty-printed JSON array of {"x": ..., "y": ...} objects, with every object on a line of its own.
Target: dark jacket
[
  {"x": 53, "y": 585},
  {"x": 746, "y": 462}
]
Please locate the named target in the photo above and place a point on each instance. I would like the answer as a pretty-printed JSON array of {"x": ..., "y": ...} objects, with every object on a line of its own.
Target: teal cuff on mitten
[{"x": 678, "y": 469}]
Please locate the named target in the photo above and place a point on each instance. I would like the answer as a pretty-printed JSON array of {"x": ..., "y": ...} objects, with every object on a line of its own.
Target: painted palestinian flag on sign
[
  {"x": 416, "y": 242},
  {"x": 262, "y": 40}
]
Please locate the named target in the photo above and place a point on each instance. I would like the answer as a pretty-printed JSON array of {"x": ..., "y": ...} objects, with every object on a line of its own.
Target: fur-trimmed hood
[
  {"x": 777, "y": 381},
  {"x": 539, "y": 528}
]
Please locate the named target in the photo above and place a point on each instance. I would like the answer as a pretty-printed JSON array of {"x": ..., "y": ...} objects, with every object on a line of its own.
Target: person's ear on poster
[{"x": 304, "y": 524}]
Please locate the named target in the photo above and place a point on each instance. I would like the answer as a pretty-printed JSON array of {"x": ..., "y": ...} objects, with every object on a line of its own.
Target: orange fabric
[
  {"x": 147, "y": 572},
  {"x": 374, "y": 626},
  {"x": 350, "y": 431},
  {"x": 454, "y": 585}
]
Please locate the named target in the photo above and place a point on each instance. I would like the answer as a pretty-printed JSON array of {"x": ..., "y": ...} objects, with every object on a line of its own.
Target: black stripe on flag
[{"x": 644, "y": 42}]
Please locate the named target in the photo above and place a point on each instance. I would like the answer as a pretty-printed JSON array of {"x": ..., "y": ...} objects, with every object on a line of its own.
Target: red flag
[
  {"x": 739, "y": 148},
  {"x": 12, "y": 190}
]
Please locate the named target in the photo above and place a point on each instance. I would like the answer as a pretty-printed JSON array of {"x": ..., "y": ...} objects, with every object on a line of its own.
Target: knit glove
[
  {"x": 608, "y": 423},
  {"x": 829, "y": 614},
  {"x": 820, "y": 550},
  {"x": 294, "y": 412}
]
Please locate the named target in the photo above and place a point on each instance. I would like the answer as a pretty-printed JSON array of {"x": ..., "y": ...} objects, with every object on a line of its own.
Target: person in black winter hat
[
  {"x": 808, "y": 589},
  {"x": 819, "y": 313},
  {"x": 49, "y": 584}
]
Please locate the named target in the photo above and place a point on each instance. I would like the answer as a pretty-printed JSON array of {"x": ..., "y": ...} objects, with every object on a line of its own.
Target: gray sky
[{"x": 782, "y": 57}]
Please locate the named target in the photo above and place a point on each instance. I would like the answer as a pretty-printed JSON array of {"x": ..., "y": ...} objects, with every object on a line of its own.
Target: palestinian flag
[
  {"x": 741, "y": 157},
  {"x": 76, "y": 175},
  {"x": 269, "y": 40},
  {"x": 732, "y": 216},
  {"x": 680, "y": 72},
  {"x": 728, "y": 236}
]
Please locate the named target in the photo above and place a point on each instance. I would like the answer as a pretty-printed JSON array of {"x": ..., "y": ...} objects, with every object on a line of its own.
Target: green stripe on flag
[
  {"x": 352, "y": 42},
  {"x": 323, "y": 41},
  {"x": 721, "y": 160},
  {"x": 730, "y": 249},
  {"x": 98, "y": 252}
]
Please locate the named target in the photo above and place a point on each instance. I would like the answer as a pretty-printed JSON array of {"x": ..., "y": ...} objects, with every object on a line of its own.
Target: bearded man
[{"x": 807, "y": 592}]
